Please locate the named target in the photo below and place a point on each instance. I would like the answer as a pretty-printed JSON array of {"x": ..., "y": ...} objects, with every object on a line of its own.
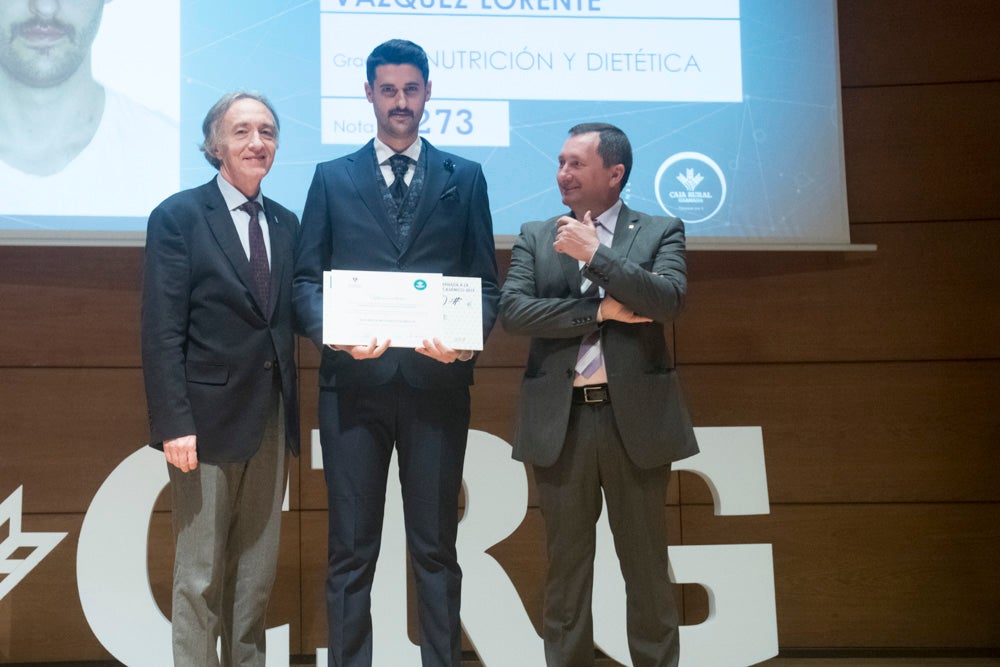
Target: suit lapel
[
  {"x": 436, "y": 180},
  {"x": 569, "y": 267},
  {"x": 280, "y": 249},
  {"x": 362, "y": 171},
  {"x": 220, "y": 221},
  {"x": 626, "y": 229}
]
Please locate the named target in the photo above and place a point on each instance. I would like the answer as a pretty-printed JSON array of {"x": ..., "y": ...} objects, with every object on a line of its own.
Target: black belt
[{"x": 591, "y": 394}]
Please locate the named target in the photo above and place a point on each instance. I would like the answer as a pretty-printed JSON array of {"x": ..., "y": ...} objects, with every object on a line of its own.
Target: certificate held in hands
[{"x": 405, "y": 308}]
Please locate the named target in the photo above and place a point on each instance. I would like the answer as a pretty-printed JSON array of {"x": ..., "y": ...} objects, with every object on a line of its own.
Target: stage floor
[
  {"x": 776, "y": 662},
  {"x": 882, "y": 662}
]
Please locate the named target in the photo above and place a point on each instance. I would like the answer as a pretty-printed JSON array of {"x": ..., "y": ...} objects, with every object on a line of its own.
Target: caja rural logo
[{"x": 690, "y": 186}]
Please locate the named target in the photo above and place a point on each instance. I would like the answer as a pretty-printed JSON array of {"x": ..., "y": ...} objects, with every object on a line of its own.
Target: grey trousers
[
  {"x": 569, "y": 496},
  {"x": 227, "y": 525}
]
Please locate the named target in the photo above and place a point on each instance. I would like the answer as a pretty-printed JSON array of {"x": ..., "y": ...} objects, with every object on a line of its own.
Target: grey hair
[{"x": 211, "y": 126}]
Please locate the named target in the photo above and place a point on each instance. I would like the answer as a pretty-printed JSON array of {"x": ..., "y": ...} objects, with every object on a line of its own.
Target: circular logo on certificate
[
  {"x": 690, "y": 186},
  {"x": 420, "y": 285}
]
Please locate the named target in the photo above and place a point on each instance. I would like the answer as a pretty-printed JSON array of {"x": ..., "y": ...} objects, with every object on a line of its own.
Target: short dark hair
[
  {"x": 397, "y": 52},
  {"x": 210, "y": 127},
  {"x": 613, "y": 145}
]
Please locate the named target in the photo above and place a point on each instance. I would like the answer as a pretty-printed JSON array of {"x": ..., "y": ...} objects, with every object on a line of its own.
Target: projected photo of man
[{"x": 68, "y": 144}]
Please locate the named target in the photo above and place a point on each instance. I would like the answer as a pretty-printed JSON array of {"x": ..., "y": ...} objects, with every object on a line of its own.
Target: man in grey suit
[
  {"x": 218, "y": 357},
  {"x": 600, "y": 406}
]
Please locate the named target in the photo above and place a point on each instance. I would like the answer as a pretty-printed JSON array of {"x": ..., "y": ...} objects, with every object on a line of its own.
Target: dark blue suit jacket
[
  {"x": 208, "y": 350},
  {"x": 345, "y": 226}
]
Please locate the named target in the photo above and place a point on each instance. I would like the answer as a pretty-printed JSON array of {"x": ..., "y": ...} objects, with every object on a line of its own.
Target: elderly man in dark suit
[
  {"x": 600, "y": 404},
  {"x": 219, "y": 366},
  {"x": 397, "y": 204}
]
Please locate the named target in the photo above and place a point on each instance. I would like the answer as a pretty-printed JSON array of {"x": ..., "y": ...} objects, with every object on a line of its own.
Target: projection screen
[{"x": 733, "y": 109}]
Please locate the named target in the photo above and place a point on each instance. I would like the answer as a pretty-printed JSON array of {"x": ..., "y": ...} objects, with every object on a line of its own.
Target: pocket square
[{"x": 450, "y": 193}]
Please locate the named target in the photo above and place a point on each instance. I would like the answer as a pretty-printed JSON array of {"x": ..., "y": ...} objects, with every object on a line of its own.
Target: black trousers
[{"x": 359, "y": 428}]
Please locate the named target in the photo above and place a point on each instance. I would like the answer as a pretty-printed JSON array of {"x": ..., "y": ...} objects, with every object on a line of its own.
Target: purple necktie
[
  {"x": 258, "y": 253},
  {"x": 589, "y": 357}
]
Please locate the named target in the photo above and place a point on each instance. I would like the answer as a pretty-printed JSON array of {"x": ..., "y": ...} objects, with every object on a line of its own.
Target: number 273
[{"x": 458, "y": 120}]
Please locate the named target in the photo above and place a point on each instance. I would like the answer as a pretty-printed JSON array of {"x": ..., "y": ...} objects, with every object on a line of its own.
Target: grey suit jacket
[
  {"x": 645, "y": 270},
  {"x": 209, "y": 352}
]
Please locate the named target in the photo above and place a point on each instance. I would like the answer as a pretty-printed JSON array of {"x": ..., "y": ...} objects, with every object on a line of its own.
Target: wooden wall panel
[
  {"x": 872, "y": 575},
  {"x": 892, "y": 42},
  {"x": 922, "y": 152},
  {"x": 494, "y": 397},
  {"x": 493, "y": 411},
  {"x": 521, "y": 555},
  {"x": 70, "y": 306},
  {"x": 68, "y": 429},
  {"x": 847, "y": 576},
  {"x": 860, "y": 433},
  {"x": 312, "y": 487},
  {"x": 42, "y": 620},
  {"x": 313, "y": 556},
  {"x": 488, "y": 411},
  {"x": 43, "y": 616},
  {"x": 494, "y": 400},
  {"x": 493, "y": 407},
  {"x": 63, "y": 430},
  {"x": 929, "y": 292}
]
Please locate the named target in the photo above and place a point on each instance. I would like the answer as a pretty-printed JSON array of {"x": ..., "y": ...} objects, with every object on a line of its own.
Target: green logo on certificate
[{"x": 420, "y": 284}]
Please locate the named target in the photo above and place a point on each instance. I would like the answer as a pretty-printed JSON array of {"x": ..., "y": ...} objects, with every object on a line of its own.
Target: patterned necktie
[
  {"x": 590, "y": 357},
  {"x": 258, "y": 253},
  {"x": 400, "y": 164}
]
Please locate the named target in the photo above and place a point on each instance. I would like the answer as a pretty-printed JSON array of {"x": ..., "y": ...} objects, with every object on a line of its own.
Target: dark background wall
[{"x": 873, "y": 375}]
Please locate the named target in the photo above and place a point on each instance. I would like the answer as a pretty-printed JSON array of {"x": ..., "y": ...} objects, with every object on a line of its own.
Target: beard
[{"x": 47, "y": 65}]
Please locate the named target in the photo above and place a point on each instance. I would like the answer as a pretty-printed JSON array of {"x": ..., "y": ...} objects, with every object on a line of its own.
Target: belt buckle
[{"x": 597, "y": 392}]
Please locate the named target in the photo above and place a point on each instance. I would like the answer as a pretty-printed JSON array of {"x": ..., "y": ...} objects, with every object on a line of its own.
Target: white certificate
[
  {"x": 405, "y": 308},
  {"x": 462, "y": 311},
  {"x": 358, "y": 306}
]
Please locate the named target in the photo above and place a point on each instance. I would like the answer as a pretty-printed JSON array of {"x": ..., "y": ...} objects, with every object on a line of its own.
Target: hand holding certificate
[{"x": 404, "y": 308}]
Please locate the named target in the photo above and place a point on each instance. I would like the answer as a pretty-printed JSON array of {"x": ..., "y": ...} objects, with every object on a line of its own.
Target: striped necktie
[{"x": 590, "y": 356}]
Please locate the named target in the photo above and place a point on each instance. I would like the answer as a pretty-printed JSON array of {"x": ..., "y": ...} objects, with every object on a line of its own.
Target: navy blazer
[
  {"x": 209, "y": 352},
  {"x": 345, "y": 225},
  {"x": 645, "y": 270}
]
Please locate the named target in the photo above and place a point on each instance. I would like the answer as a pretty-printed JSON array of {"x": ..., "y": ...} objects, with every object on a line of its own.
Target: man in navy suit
[
  {"x": 397, "y": 204},
  {"x": 601, "y": 408},
  {"x": 219, "y": 366}
]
